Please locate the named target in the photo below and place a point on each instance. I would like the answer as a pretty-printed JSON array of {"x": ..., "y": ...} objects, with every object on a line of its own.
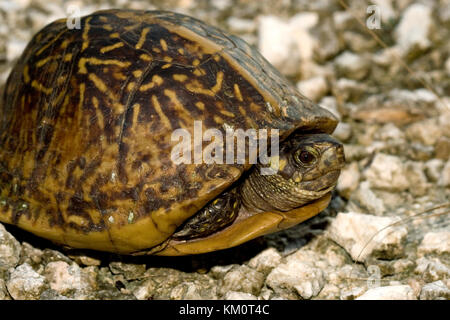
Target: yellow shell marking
[
  {"x": 50, "y": 42},
  {"x": 82, "y": 63},
  {"x": 111, "y": 47},
  {"x": 42, "y": 62},
  {"x": 200, "y": 105},
  {"x": 107, "y": 27},
  {"x": 137, "y": 73},
  {"x": 26, "y": 75},
  {"x": 173, "y": 98},
  {"x": 65, "y": 44},
  {"x": 163, "y": 44},
  {"x": 180, "y": 77},
  {"x": 85, "y": 34},
  {"x": 68, "y": 57},
  {"x": 142, "y": 38},
  {"x": 38, "y": 86},
  {"x": 227, "y": 113},
  {"x": 161, "y": 114},
  {"x": 145, "y": 57},
  {"x": 131, "y": 86},
  {"x": 218, "y": 85},
  {"x": 156, "y": 80},
  {"x": 237, "y": 92}
]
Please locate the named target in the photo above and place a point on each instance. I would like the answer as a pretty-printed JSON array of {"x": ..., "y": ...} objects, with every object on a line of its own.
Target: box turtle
[{"x": 86, "y": 137}]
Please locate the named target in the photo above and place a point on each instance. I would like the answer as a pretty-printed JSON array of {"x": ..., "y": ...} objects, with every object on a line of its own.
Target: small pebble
[
  {"x": 399, "y": 292},
  {"x": 363, "y": 235},
  {"x": 25, "y": 284}
]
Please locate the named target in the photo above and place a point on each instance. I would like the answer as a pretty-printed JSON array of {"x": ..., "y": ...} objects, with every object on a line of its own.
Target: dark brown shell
[{"x": 87, "y": 117}]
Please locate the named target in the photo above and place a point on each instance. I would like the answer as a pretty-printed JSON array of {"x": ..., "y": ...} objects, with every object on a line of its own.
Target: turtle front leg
[{"x": 216, "y": 215}]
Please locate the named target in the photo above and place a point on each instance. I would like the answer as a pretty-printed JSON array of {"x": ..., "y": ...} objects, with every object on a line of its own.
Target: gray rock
[
  {"x": 363, "y": 235},
  {"x": 437, "y": 242},
  {"x": 387, "y": 172},
  {"x": 423, "y": 96},
  {"x": 239, "y": 25},
  {"x": 386, "y": 8},
  {"x": 367, "y": 199},
  {"x": 218, "y": 272},
  {"x": 410, "y": 34},
  {"x": 187, "y": 291},
  {"x": 400, "y": 107},
  {"x": 343, "y": 20},
  {"x": 328, "y": 44},
  {"x": 348, "y": 90},
  {"x": 242, "y": 279},
  {"x": 444, "y": 180},
  {"x": 330, "y": 103},
  {"x": 68, "y": 279},
  {"x": 50, "y": 255},
  {"x": 329, "y": 292},
  {"x": 25, "y": 284},
  {"x": 15, "y": 48},
  {"x": 129, "y": 270},
  {"x": 399, "y": 292},
  {"x": 352, "y": 66},
  {"x": 442, "y": 148},
  {"x": 390, "y": 132},
  {"x": 427, "y": 131},
  {"x": 417, "y": 179},
  {"x": 348, "y": 180},
  {"x": 86, "y": 259},
  {"x": 352, "y": 293},
  {"x": 32, "y": 256},
  {"x": 296, "y": 277},
  {"x": 160, "y": 283},
  {"x": 265, "y": 261},
  {"x": 234, "y": 295},
  {"x": 433, "y": 169},
  {"x": 9, "y": 250},
  {"x": 358, "y": 42},
  {"x": 431, "y": 270},
  {"x": 314, "y": 88},
  {"x": 435, "y": 291},
  {"x": 287, "y": 44},
  {"x": 343, "y": 131},
  {"x": 403, "y": 266},
  {"x": 3, "y": 291},
  {"x": 355, "y": 152},
  {"x": 52, "y": 295}
]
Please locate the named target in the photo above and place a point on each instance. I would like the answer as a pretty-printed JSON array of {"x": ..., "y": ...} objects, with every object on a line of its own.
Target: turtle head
[
  {"x": 313, "y": 161},
  {"x": 308, "y": 168}
]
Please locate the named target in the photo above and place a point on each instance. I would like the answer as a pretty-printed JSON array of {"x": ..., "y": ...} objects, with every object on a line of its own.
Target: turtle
[{"x": 87, "y": 122}]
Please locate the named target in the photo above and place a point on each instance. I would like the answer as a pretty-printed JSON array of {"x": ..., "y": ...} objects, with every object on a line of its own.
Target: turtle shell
[{"x": 88, "y": 113}]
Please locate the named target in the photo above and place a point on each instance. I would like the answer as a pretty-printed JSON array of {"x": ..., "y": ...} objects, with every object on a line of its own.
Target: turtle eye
[{"x": 306, "y": 156}]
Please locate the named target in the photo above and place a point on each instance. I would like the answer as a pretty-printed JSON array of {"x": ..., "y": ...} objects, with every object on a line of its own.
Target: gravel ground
[{"x": 386, "y": 234}]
